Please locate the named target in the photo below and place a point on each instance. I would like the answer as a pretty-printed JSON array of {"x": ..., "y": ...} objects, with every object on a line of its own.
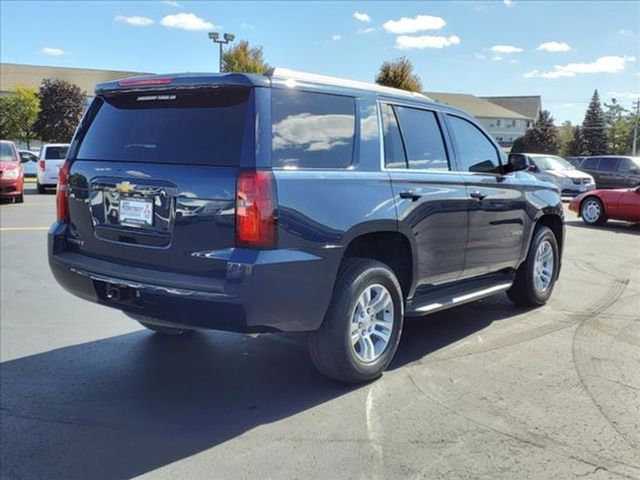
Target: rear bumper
[{"x": 268, "y": 290}]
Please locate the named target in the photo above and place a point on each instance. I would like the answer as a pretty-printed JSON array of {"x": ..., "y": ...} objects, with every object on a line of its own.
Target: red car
[
  {"x": 598, "y": 206},
  {"x": 11, "y": 172}
]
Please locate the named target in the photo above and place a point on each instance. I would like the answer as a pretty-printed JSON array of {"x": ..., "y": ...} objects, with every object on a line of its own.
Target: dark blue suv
[{"x": 295, "y": 203}]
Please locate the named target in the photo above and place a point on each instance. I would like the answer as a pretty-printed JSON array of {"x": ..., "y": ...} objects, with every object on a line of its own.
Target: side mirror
[{"x": 517, "y": 163}]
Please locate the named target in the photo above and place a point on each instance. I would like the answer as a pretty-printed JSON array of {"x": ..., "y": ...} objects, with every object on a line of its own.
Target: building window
[{"x": 498, "y": 123}]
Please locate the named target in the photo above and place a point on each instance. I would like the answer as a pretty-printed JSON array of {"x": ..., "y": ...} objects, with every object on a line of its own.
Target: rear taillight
[
  {"x": 41, "y": 165},
  {"x": 62, "y": 193},
  {"x": 255, "y": 209}
]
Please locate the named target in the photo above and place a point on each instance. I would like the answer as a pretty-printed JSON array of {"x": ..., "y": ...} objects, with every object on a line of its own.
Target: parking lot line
[{"x": 22, "y": 229}]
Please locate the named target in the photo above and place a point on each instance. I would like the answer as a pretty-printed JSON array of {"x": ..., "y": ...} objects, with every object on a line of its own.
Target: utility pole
[
  {"x": 226, "y": 38},
  {"x": 636, "y": 104}
]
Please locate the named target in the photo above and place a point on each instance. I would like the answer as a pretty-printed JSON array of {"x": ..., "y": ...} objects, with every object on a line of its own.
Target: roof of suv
[{"x": 280, "y": 75}]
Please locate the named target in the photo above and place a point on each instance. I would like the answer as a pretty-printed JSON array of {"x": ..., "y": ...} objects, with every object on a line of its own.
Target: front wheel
[
  {"x": 592, "y": 211},
  {"x": 20, "y": 198},
  {"x": 362, "y": 327},
  {"x": 537, "y": 275},
  {"x": 40, "y": 188}
]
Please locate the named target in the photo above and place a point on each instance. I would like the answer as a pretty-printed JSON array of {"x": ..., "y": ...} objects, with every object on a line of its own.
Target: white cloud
[
  {"x": 554, "y": 47},
  {"x": 506, "y": 49},
  {"x": 415, "y": 24},
  {"x": 608, "y": 64},
  {"x": 496, "y": 58},
  {"x": 135, "y": 20},
  {"x": 54, "y": 52},
  {"x": 187, "y": 21},
  {"x": 480, "y": 56},
  {"x": 629, "y": 95},
  {"x": 172, "y": 3},
  {"x": 508, "y": 3},
  {"x": 366, "y": 30},
  {"x": 247, "y": 26},
  {"x": 407, "y": 42},
  {"x": 336, "y": 37},
  {"x": 361, "y": 17}
]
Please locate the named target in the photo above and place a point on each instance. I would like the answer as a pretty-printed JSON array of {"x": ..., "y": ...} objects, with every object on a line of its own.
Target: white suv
[{"x": 52, "y": 157}]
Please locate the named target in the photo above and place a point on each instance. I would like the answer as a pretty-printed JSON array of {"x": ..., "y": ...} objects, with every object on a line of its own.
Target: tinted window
[
  {"x": 204, "y": 127},
  {"x": 393, "y": 149},
  {"x": 422, "y": 139},
  {"x": 624, "y": 165},
  {"x": 56, "y": 153},
  {"x": 590, "y": 163},
  {"x": 312, "y": 130},
  {"x": 475, "y": 152},
  {"x": 7, "y": 153},
  {"x": 608, "y": 164}
]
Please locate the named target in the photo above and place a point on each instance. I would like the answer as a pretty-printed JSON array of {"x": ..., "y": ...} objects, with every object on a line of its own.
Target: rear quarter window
[{"x": 311, "y": 130}]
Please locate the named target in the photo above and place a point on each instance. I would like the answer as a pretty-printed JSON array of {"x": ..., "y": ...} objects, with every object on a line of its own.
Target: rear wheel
[
  {"x": 362, "y": 327},
  {"x": 537, "y": 275},
  {"x": 592, "y": 211}
]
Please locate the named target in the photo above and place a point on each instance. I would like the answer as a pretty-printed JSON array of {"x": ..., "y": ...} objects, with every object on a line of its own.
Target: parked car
[
  {"x": 598, "y": 206},
  {"x": 51, "y": 159},
  {"x": 29, "y": 162},
  {"x": 556, "y": 170},
  {"x": 575, "y": 161},
  {"x": 354, "y": 206},
  {"x": 11, "y": 172},
  {"x": 613, "y": 171}
]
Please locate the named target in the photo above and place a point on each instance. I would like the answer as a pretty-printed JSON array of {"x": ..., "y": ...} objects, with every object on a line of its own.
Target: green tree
[
  {"x": 576, "y": 147},
  {"x": 543, "y": 137},
  {"x": 619, "y": 128},
  {"x": 594, "y": 128},
  {"x": 399, "y": 73},
  {"x": 518, "y": 145},
  {"x": 18, "y": 113},
  {"x": 565, "y": 133},
  {"x": 61, "y": 107},
  {"x": 243, "y": 58}
]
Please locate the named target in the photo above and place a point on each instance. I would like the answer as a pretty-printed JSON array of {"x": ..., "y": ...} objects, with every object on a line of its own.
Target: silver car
[{"x": 554, "y": 169}]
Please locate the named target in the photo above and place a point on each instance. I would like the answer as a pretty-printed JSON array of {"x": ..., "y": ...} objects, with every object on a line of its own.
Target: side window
[
  {"x": 311, "y": 130},
  {"x": 608, "y": 164},
  {"x": 422, "y": 139},
  {"x": 394, "y": 156},
  {"x": 590, "y": 163},
  {"x": 624, "y": 165},
  {"x": 475, "y": 152}
]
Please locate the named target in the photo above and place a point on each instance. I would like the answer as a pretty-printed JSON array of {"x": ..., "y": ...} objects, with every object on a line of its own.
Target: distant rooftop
[
  {"x": 526, "y": 105},
  {"x": 14, "y": 75},
  {"x": 476, "y": 106}
]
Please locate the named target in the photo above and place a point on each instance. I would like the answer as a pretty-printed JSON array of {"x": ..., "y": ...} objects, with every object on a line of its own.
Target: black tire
[
  {"x": 20, "y": 198},
  {"x": 330, "y": 347},
  {"x": 596, "y": 204},
  {"x": 41, "y": 188},
  {"x": 523, "y": 292}
]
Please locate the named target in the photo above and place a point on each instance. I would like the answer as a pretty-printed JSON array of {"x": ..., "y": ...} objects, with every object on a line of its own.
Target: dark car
[
  {"x": 611, "y": 171},
  {"x": 291, "y": 202}
]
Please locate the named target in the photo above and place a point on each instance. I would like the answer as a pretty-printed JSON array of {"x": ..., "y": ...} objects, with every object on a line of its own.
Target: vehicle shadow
[
  {"x": 126, "y": 405},
  {"x": 611, "y": 226}
]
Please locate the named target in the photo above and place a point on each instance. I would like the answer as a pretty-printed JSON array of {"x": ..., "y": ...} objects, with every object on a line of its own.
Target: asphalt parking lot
[{"x": 485, "y": 390}]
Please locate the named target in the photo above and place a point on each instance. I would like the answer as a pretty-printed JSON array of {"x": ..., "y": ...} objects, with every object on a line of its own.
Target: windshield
[
  {"x": 7, "y": 153},
  {"x": 552, "y": 163},
  {"x": 199, "y": 127}
]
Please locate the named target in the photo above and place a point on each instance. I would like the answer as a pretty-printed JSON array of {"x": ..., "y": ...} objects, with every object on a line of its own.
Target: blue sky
[{"x": 561, "y": 50}]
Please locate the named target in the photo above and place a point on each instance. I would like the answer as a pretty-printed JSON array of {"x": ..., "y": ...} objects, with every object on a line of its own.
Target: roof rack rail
[{"x": 288, "y": 74}]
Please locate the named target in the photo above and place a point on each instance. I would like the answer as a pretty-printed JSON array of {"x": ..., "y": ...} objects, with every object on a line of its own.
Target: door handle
[
  {"x": 477, "y": 194},
  {"x": 411, "y": 194}
]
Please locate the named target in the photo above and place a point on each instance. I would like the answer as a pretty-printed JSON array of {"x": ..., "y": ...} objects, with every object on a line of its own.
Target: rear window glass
[
  {"x": 203, "y": 127},
  {"x": 56, "y": 153},
  {"x": 311, "y": 130},
  {"x": 7, "y": 153}
]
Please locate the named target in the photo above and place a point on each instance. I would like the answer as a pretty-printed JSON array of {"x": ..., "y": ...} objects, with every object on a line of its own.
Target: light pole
[{"x": 226, "y": 38}]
